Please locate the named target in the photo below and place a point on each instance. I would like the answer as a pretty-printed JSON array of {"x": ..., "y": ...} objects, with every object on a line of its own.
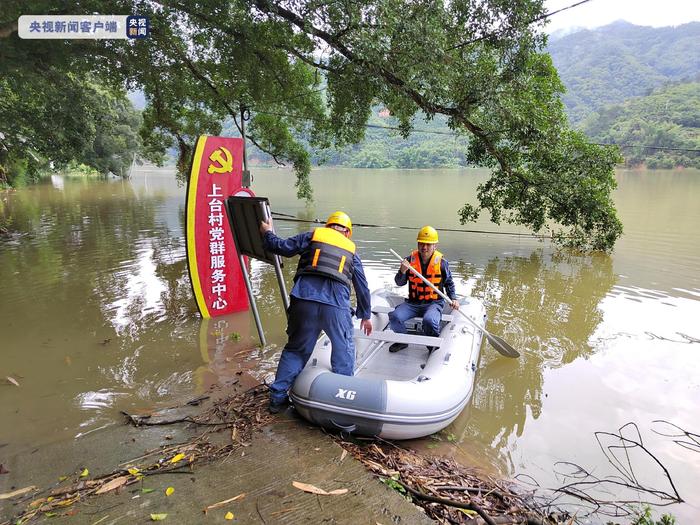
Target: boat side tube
[{"x": 342, "y": 403}]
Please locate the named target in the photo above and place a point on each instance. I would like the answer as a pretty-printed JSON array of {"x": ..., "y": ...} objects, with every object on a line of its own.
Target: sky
[{"x": 596, "y": 13}]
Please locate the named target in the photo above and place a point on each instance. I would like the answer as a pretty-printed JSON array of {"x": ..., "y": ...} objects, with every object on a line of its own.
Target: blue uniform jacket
[
  {"x": 316, "y": 287},
  {"x": 402, "y": 278}
]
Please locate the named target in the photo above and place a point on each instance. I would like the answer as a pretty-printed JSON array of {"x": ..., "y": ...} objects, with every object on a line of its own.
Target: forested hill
[
  {"x": 667, "y": 118},
  {"x": 613, "y": 63}
]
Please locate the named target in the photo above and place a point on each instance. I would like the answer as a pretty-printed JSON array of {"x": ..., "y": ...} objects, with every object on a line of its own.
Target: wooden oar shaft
[
  {"x": 497, "y": 342},
  {"x": 436, "y": 289}
]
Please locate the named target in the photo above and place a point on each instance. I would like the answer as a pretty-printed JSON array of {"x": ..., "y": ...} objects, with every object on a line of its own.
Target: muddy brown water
[{"x": 97, "y": 316}]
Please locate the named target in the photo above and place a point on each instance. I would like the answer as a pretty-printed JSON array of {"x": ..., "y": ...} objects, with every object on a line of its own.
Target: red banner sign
[{"x": 215, "y": 271}]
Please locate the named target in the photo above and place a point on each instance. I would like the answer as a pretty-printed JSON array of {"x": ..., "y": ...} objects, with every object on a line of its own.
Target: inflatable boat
[{"x": 401, "y": 395}]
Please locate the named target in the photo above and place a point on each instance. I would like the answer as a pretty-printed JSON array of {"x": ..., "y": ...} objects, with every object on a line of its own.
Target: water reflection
[
  {"x": 95, "y": 300},
  {"x": 97, "y": 315},
  {"x": 547, "y": 307},
  {"x": 227, "y": 349}
]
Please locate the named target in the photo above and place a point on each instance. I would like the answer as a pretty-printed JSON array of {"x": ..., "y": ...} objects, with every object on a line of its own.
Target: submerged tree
[{"x": 312, "y": 70}]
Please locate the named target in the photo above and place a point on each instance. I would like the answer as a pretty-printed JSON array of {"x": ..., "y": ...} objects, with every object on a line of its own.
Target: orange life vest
[
  {"x": 418, "y": 291},
  {"x": 330, "y": 254}
]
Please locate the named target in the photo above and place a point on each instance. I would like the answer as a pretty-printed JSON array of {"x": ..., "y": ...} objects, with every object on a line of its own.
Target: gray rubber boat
[{"x": 402, "y": 395}]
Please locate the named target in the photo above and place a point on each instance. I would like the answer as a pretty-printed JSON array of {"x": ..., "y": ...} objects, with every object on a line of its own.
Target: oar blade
[{"x": 501, "y": 346}]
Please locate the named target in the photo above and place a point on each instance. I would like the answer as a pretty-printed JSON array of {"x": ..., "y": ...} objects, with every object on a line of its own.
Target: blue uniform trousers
[
  {"x": 306, "y": 320},
  {"x": 431, "y": 313}
]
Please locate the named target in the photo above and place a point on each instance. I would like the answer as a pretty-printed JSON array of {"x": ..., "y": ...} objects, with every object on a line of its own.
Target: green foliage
[
  {"x": 393, "y": 483},
  {"x": 668, "y": 118},
  {"x": 17, "y": 169},
  {"x": 383, "y": 147},
  {"x": 116, "y": 136},
  {"x": 614, "y": 63},
  {"x": 57, "y": 102},
  {"x": 644, "y": 517},
  {"x": 76, "y": 169},
  {"x": 482, "y": 71}
]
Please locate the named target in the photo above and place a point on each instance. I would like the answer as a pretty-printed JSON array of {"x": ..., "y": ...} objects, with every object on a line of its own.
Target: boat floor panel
[{"x": 398, "y": 366}]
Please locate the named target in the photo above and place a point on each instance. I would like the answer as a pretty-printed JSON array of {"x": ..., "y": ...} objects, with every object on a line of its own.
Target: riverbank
[
  {"x": 259, "y": 468},
  {"x": 223, "y": 455}
]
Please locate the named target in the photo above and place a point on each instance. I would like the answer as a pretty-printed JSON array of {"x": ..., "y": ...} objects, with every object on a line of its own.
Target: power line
[
  {"x": 453, "y": 134},
  {"x": 661, "y": 148},
  {"x": 536, "y": 19},
  {"x": 288, "y": 218}
]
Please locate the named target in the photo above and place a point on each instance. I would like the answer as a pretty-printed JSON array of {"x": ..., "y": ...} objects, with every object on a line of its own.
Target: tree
[
  {"x": 480, "y": 64},
  {"x": 52, "y": 108},
  {"x": 667, "y": 118}
]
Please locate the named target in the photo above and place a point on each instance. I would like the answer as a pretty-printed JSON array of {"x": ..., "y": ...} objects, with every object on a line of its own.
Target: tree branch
[{"x": 8, "y": 29}]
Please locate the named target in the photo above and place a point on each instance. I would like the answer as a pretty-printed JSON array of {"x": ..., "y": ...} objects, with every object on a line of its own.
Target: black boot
[
  {"x": 397, "y": 346},
  {"x": 276, "y": 408}
]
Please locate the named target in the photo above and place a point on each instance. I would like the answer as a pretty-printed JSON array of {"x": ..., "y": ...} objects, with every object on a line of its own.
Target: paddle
[{"x": 498, "y": 343}]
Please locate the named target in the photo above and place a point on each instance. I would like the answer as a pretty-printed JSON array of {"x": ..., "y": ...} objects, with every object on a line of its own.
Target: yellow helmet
[
  {"x": 427, "y": 235},
  {"x": 340, "y": 218}
]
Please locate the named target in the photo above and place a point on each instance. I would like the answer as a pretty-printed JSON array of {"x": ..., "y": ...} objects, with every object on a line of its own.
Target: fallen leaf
[
  {"x": 147, "y": 491},
  {"x": 309, "y": 488},
  {"x": 12, "y": 380},
  {"x": 343, "y": 455},
  {"x": 229, "y": 516},
  {"x": 158, "y": 517},
  {"x": 315, "y": 490},
  {"x": 18, "y": 492},
  {"x": 177, "y": 458},
  {"x": 133, "y": 471},
  {"x": 85, "y": 473},
  {"x": 50, "y": 514},
  {"x": 3, "y": 470},
  {"x": 222, "y": 503},
  {"x": 62, "y": 478},
  {"x": 112, "y": 485},
  {"x": 169, "y": 491}
]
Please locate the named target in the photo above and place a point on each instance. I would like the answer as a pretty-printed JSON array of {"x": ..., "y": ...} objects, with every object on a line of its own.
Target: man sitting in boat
[
  {"x": 422, "y": 300},
  {"x": 320, "y": 299}
]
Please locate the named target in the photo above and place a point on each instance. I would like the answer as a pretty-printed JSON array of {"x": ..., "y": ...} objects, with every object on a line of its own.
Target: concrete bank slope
[{"x": 286, "y": 451}]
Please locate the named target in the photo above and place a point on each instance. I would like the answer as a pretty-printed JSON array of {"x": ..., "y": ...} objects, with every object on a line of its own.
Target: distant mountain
[
  {"x": 667, "y": 118},
  {"x": 613, "y": 63},
  {"x": 566, "y": 31}
]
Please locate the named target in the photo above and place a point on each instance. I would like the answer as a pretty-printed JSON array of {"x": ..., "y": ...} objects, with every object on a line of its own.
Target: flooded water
[{"x": 97, "y": 316}]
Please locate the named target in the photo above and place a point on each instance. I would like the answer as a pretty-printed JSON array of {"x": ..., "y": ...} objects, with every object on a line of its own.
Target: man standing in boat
[
  {"x": 422, "y": 300},
  {"x": 320, "y": 299}
]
